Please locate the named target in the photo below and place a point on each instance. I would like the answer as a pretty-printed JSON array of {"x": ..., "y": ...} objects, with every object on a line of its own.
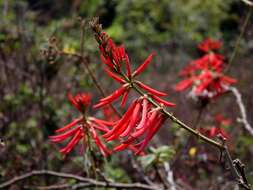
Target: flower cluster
[
  {"x": 144, "y": 116},
  {"x": 205, "y": 75},
  {"x": 82, "y": 127},
  {"x": 118, "y": 68},
  {"x": 218, "y": 129},
  {"x": 141, "y": 121}
]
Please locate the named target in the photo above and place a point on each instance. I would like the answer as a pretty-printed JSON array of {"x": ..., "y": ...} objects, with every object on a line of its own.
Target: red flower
[
  {"x": 115, "y": 58},
  {"x": 80, "y": 101},
  {"x": 204, "y": 75},
  {"x": 77, "y": 130},
  {"x": 220, "y": 120},
  {"x": 109, "y": 114},
  {"x": 210, "y": 61},
  {"x": 209, "y": 45},
  {"x": 140, "y": 121},
  {"x": 115, "y": 95},
  {"x": 218, "y": 128}
]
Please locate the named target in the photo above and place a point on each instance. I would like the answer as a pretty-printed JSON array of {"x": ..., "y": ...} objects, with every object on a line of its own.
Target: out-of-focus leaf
[{"x": 147, "y": 160}]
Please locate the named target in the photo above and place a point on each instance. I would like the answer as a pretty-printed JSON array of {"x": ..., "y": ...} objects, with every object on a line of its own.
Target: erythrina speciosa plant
[
  {"x": 142, "y": 119},
  {"x": 147, "y": 112}
]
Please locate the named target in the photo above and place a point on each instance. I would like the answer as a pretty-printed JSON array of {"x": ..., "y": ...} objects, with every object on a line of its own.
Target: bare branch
[
  {"x": 248, "y": 2},
  {"x": 86, "y": 182},
  {"x": 50, "y": 187},
  {"x": 242, "y": 108},
  {"x": 170, "y": 177}
]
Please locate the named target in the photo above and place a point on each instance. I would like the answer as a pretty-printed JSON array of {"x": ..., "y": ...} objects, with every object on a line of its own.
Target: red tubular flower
[
  {"x": 124, "y": 99},
  {"x": 220, "y": 120},
  {"x": 209, "y": 45},
  {"x": 115, "y": 76},
  {"x": 150, "y": 90},
  {"x": 77, "y": 129},
  {"x": 143, "y": 66},
  {"x": 107, "y": 61},
  {"x": 118, "y": 127},
  {"x": 110, "y": 114},
  {"x": 218, "y": 129},
  {"x": 80, "y": 101},
  {"x": 109, "y": 99},
  {"x": 141, "y": 120},
  {"x": 209, "y": 61},
  {"x": 163, "y": 102},
  {"x": 184, "y": 84}
]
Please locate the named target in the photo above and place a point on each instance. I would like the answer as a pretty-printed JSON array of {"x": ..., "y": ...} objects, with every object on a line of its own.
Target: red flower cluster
[
  {"x": 204, "y": 75},
  {"x": 141, "y": 120},
  {"x": 115, "y": 58},
  {"x": 209, "y": 45},
  {"x": 213, "y": 131},
  {"x": 82, "y": 127}
]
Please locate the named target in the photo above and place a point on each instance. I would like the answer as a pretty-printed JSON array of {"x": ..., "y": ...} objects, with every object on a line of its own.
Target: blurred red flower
[
  {"x": 204, "y": 75},
  {"x": 209, "y": 45},
  {"x": 218, "y": 129}
]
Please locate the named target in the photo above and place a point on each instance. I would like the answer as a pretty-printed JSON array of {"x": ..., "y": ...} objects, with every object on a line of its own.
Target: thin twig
[
  {"x": 140, "y": 171},
  {"x": 242, "y": 108},
  {"x": 248, "y": 2},
  {"x": 238, "y": 175},
  {"x": 91, "y": 182},
  {"x": 161, "y": 177},
  {"x": 170, "y": 177},
  {"x": 239, "y": 39},
  {"x": 50, "y": 187},
  {"x": 85, "y": 61}
]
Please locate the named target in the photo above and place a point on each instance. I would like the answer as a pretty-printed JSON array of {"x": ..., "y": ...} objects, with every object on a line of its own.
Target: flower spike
[{"x": 78, "y": 128}]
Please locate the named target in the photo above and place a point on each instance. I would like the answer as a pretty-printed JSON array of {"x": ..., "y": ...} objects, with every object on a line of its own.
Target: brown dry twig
[{"x": 83, "y": 181}]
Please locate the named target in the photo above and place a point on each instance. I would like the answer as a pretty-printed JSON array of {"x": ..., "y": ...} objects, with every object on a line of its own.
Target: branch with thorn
[{"x": 236, "y": 166}]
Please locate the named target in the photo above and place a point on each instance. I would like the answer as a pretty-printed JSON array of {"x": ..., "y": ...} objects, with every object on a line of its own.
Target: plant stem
[{"x": 238, "y": 40}]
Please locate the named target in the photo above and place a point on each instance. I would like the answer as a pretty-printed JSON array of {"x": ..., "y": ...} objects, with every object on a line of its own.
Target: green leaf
[
  {"x": 147, "y": 160},
  {"x": 163, "y": 153}
]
